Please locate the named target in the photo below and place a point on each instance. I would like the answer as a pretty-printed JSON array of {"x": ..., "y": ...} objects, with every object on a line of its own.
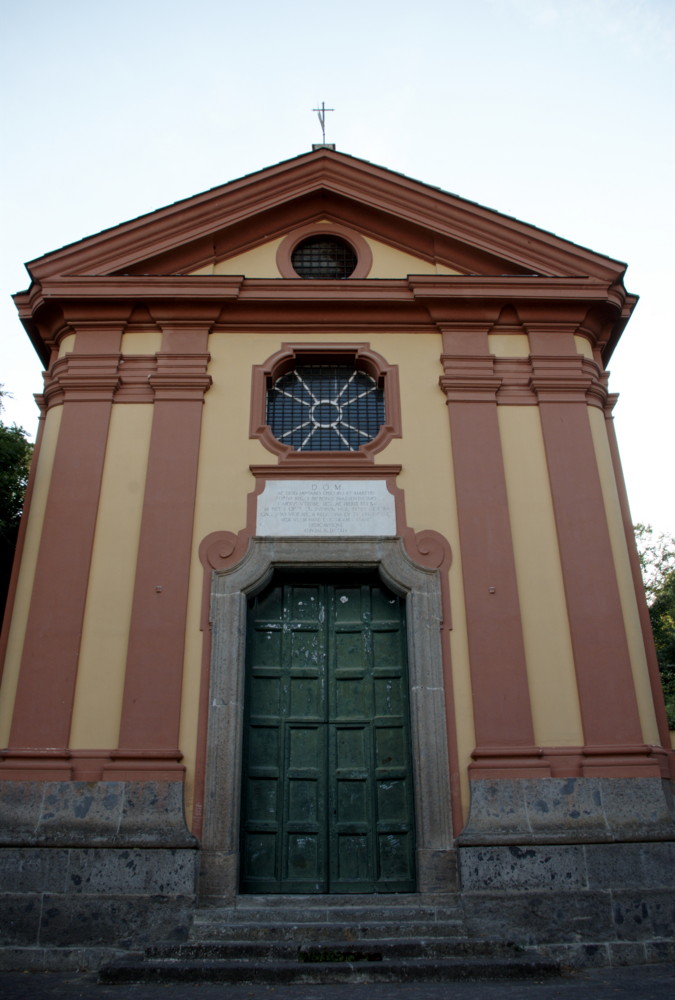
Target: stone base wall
[
  {"x": 569, "y": 811},
  {"x": 579, "y": 927},
  {"x": 88, "y": 871},
  {"x": 66, "y": 897},
  {"x": 93, "y": 813},
  {"x": 567, "y": 867}
]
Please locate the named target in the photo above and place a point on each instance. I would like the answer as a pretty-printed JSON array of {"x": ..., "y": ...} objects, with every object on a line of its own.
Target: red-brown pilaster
[
  {"x": 565, "y": 384},
  {"x": 84, "y": 382},
  {"x": 151, "y": 709},
  {"x": 502, "y": 712},
  {"x": 645, "y": 623}
]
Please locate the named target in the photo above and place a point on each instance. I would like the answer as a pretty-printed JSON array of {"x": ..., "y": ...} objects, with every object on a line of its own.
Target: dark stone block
[
  {"x": 551, "y": 867},
  {"x": 20, "y": 918},
  {"x": 567, "y": 810},
  {"x": 497, "y": 809},
  {"x": 153, "y": 815},
  {"x": 56, "y": 959},
  {"x": 644, "y": 915},
  {"x": 218, "y": 874},
  {"x": 437, "y": 871},
  {"x": 155, "y": 871},
  {"x": 12, "y": 959},
  {"x": 627, "y": 953},
  {"x": 575, "y": 954},
  {"x": 637, "y": 808},
  {"x": 97, "y": 813},
  {"x": 530, "y": 918},
  {"x": 113, "y": 921},
  {"x": 20, "y": 808},
  {"x": 660, "y": 951},
  {"x": 33, "y": 869},
  {"x": 648, "y": 865},
  {"x": 80, "y": 812}
]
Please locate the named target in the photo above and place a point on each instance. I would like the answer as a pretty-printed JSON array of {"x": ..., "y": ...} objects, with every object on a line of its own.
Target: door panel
[{"x": 327, "y": 792}]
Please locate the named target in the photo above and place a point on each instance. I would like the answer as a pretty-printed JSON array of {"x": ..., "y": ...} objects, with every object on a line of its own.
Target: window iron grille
[
  {"x": 323, "y": 257},
  {"x": 325, "y": 408}
]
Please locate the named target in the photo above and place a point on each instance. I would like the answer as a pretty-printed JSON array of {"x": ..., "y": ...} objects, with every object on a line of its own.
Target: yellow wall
[
  {"x": 425, "y": 445},
  {"x": 548, "y": 646},
  {"x": 391, "y": 263},
  {"x": 388, "y": 262},
  {"x": 258, "y": 263},
  {"x": 583, "y": 347},
  {"x": 624, "y": 577},
  {"x": 103, "y": 651},
  {"x": 509, "y": 345},
  {"x": 141, "y": 342},
  {"x": 67, "y": 345},
  {"x": 224, "y": 482},
  {"x": 24, "y": 589}
]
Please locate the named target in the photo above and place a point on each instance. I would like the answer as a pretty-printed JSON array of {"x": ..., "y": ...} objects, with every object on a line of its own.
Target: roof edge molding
[{"x": 324, "y": 184}]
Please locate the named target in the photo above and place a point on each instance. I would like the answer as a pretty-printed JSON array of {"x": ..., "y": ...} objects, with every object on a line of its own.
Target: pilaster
[
  {"x": 150, "y": 723},
  {"x": 501, "y": 702},
  {"x": 565, "y": 385},
  {"x": 645, "y": 623},
  {"x": 84, "y": 383}
]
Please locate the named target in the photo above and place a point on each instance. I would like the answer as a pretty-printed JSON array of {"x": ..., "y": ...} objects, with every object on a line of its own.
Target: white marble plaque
[{"x": 326, "y": 507}]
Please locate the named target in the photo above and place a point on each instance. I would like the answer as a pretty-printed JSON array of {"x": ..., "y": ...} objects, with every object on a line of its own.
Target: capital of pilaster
[
  {"x": 179, "y": 386},
  {"x": 180, "y": 376},
  {"x": 569, "y": 378},
  {"x": 469, "y": 378},
  {"x": 82, "y": 378},
  {"x": 610, "y": 402}
]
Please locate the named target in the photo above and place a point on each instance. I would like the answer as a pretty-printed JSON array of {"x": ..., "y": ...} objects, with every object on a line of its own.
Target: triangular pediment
[{"x": 422, "y": 229}]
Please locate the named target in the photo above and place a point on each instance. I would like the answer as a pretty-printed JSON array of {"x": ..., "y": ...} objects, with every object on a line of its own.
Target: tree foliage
[
  {"x": 15, "y": 455},
  {"x": 657, "y": 559}
]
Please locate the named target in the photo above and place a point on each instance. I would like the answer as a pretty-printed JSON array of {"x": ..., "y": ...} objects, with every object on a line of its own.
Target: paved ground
[{"x": 644, "y": 982}]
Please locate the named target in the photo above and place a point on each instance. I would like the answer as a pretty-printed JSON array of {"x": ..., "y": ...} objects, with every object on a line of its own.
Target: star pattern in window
[{"x": 325, "y": 408}]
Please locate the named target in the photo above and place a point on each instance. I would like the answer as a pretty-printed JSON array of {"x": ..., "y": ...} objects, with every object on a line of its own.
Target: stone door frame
[{"x": 421, "y": 588}]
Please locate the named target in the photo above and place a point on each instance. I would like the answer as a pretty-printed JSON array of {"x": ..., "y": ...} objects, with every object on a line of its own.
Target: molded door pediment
[{"x": 440, "y": 229}]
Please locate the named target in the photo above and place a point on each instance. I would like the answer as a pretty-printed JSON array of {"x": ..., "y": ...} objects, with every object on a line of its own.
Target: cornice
[
  {"x": 373, "y": 188},
  {"x": 402, "y": 305},
  {"x": 329, "y": 465},
  {"x": 133, "y": 287},
  {"x": 422, "y": 287}
]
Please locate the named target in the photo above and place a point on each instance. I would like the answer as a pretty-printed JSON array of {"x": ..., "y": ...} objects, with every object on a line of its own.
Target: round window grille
[
  {"x": 323, "y": 257},
  {"x": 325, "y": 408}
]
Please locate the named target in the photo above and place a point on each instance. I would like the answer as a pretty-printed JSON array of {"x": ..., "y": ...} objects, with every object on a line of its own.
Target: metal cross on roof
[{"x": 321, "y": 112}]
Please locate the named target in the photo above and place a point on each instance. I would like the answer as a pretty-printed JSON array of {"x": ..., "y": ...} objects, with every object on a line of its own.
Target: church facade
[{"x": 327, "y": 582}]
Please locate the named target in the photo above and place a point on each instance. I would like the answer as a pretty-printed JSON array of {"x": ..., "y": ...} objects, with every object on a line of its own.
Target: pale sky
[{"x": 557, "y": 112}]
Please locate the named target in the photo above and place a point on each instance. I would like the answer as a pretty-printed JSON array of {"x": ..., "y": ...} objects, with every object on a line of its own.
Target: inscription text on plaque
[{"x": 327, "y": 507}]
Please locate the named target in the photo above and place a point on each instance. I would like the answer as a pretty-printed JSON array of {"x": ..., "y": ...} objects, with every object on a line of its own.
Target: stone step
[
  {"x": 385, "y": 901},
  {"x": 352, "y": 930},
  {"x": 334, "y": 950},
  {"x": 314, "y": 909},
  {"x": 341, "y": 916},
  {"x": 135, "y": 970}
]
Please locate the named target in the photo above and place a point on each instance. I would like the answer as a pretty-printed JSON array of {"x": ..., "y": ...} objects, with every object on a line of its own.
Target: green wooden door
[{"x": 327, "y": 789}]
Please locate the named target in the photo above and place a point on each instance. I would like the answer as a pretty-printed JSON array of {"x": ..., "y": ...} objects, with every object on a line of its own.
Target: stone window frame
[{"x": 360, "y": 246}]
